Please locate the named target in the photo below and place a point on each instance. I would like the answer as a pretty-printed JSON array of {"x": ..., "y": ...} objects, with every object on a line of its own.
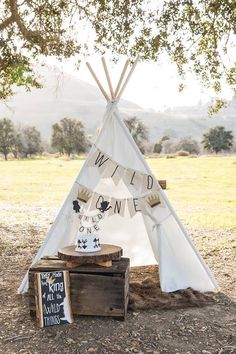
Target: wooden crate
[{"x": 95, "y": 290}]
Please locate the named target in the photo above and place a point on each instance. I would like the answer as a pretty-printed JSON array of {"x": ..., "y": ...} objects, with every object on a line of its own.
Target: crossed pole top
[{"x": 114, "y": 94}]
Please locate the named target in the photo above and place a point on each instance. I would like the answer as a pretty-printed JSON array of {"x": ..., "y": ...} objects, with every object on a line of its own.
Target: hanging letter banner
[
  {"x": 108, "y": 206},
  {"x": 109, "y": 168}
]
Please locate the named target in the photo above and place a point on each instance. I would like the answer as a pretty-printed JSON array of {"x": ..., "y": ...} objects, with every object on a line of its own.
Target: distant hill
[
  {"x": 66, "y": 96},
  {"x": 188, "y": 121}
]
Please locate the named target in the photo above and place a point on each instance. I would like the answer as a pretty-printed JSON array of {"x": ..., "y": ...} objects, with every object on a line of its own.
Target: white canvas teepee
[{"x": 149, "y": 233}]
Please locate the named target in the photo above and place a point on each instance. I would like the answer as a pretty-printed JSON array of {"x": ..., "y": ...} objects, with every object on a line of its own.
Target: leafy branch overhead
[{"x": 195, "y": 35}]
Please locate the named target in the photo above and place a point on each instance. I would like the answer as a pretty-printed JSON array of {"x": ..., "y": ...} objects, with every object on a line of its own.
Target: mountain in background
[{"x": 63, "y": 95}]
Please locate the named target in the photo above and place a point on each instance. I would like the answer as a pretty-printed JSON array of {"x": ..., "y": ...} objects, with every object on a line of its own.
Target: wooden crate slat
[
  {"x": 55, "y": 264},
  {"x": 52, "y": 264},
  {"x": 97, "y": 295}
]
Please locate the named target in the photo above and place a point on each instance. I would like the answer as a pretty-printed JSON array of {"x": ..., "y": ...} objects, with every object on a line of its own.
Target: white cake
[{"x": 87, "y": 243}]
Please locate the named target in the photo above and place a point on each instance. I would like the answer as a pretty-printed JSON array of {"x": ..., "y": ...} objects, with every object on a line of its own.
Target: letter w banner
[{"x": 133, "y": 179}]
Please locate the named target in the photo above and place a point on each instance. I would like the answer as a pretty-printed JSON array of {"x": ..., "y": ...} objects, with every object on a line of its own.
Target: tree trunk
[{"x": 5, "y": 155}]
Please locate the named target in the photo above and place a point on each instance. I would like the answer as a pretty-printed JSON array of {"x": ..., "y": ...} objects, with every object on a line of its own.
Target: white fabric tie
[{"x": 111, "y": 107}]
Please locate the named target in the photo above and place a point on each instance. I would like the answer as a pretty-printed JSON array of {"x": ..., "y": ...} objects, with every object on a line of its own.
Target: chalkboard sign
[{"x": 52, "y": 297}]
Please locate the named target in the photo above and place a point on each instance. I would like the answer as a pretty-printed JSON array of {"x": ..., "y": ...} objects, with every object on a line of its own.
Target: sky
[{"x": 152, "y": 86}]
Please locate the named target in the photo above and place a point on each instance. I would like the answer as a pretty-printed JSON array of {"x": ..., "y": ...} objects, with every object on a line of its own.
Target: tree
[
  {"x": 138, "y": 131},
  {"x": 188, "y": 144},
  {"x": 31, "y": 141},
  {"x": 159, "y": 145},
  {"x": 195, "y": 35},
  {"x": 218, "y": 139},
  {"x": 165, "y": 138},
  {"x": 169, "y": 146},
  {"x": 6, "y": 136},
  {"x": 157, "y": 148},
  {"x": 17, "y": 144},
  {"x": 68, "y": 136}
]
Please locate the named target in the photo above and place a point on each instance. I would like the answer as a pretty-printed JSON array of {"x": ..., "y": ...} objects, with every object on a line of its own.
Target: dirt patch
[
  {"x": 147, "y": 294},
  {"x": 183, "y": 322}
]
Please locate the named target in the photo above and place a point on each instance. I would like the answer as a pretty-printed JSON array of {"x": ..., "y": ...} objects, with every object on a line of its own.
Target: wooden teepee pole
[
  {"x": 108, "y": 77},
  {"x": 98, "y": 82},
  {"x": 121, "y": 77},
  {"x": 128, "y": 77}
]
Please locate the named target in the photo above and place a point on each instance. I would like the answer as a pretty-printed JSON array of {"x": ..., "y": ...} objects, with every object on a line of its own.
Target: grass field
[{"x": 202, "y": 190}]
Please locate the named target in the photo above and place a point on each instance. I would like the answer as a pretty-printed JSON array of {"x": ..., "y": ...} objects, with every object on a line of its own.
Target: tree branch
[
  {"x": 27, "y": 34},
  {"x": 6, "y": 23}
]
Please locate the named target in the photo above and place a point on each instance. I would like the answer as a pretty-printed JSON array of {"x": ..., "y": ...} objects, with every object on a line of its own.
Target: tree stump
[{"x": 104, "y": 257}]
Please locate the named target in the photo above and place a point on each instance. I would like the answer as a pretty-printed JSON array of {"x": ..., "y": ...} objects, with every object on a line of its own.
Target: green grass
[{"x": 202, "y": 190}]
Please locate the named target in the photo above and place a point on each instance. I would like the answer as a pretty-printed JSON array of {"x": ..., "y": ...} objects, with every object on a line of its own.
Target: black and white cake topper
[
  {"x": 104, "y": 205},
  {"x": 76, "y": 206},
  {"x": 87, "y": 237}
]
